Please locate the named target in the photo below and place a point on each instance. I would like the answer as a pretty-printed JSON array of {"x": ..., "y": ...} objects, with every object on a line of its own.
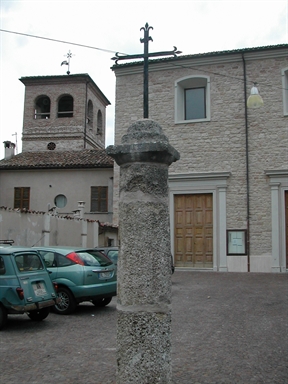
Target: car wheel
[
  {"x": 102, "y": 302},
  {"x": 40, "y": 314},
  {"x": 67, "y": 303},
  {"x": 3, "y": 317}
]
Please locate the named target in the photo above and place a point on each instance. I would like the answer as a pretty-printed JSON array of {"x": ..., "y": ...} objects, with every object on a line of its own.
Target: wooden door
[
  {"x": 286, "y": 225},
  {"x": 193, "y": 230}
]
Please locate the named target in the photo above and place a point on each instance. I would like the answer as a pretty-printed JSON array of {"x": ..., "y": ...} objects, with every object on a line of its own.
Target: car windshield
[
  {"x": 28, "y": 262},
  {"x": 94, "y": 258}
]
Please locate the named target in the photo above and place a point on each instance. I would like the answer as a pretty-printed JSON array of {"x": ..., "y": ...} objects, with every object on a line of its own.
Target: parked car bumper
[
  {"x": 34, "y": 306},
  {"x": 93, "y": 291}
]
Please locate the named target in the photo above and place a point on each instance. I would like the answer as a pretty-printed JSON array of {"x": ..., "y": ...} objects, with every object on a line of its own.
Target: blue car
[
  {"x": 25, "y": 285},
  {"x": 81, "y": 275}
]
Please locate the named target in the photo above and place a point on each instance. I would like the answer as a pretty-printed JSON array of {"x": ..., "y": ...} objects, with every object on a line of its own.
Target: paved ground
[{"x": 227, "y": 328}]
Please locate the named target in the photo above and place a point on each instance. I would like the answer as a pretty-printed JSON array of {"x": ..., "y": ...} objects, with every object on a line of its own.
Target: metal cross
[
  {"x": 145, "y": 56},
  {"x": 65, "y": 62}
]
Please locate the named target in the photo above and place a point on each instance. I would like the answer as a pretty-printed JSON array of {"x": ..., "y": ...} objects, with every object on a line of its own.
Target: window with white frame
[
  {"x": 192, "y": 99},
  {"x": 285, "y": 91}
]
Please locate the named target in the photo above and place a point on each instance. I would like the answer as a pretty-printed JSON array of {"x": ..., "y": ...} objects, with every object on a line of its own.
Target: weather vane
[
  {"x": 67, "y": 62},
  {"x": 145, "y": 56}
]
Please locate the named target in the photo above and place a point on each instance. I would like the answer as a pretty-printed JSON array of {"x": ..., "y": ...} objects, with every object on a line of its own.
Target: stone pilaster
[{"x": 144, "y": 266}]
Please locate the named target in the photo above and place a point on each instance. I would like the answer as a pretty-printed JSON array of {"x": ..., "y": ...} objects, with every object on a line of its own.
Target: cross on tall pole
[{"x": 145, "y": 56}]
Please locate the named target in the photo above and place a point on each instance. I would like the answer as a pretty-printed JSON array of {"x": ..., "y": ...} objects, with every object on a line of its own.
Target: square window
[
  {"x": 195, "y": 103},
  {"x": 192, "y": 99},
  {"x": 21, "y": 197},
  {"x": 99, "y": 199}
]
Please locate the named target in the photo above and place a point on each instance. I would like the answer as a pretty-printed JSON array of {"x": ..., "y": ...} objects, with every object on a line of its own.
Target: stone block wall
[{"x": 218, "y": 145}]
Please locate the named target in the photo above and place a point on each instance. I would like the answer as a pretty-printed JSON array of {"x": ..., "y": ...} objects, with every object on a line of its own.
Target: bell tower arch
[{"x": 58, "y": 113}]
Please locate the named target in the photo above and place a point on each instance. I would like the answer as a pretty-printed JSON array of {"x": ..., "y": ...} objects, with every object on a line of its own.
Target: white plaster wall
[
  {"x": 45, "y": 185},
  {"x": 39, "y": 228}
]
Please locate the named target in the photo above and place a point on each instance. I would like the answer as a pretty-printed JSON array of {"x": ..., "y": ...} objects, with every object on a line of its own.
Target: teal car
[
  {"x": 25, "y": 285},
  {"x": 81, "y": 275}
]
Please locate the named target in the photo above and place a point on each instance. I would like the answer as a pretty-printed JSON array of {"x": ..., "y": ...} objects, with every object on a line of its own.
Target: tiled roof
[
  {"x": 86, "y": 158},
  {"x": 207, "y": 54},
  {"x": 84, "y": 77}
]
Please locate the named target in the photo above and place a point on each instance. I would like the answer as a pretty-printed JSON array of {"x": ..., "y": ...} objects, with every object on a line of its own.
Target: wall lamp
[{"x": 254, "y": 100}]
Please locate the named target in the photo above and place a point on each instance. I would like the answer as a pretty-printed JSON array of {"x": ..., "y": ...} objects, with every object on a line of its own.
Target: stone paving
[{"x": 227, "y": 328}]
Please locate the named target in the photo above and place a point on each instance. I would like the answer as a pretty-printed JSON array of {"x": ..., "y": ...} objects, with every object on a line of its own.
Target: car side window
[
  {"x": 2, "y": 266},
  {"x": 49, "y": 258},
  {"x": 62, "y": 261},
  {"x": 113, "y": 255},
  {"x": 28, "y": 262}
]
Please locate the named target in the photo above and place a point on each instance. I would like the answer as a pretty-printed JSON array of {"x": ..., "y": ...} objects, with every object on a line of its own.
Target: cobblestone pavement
[{"x": 227, "y": 328}]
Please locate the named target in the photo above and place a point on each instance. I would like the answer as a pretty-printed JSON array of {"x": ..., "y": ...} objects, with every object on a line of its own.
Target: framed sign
[{"x": 236, "y": 242}]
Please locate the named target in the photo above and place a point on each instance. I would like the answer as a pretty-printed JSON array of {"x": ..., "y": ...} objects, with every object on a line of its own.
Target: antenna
[{"x": 15, "y": 134}]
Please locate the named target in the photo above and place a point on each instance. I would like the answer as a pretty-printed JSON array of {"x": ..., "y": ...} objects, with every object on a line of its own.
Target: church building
[
  {"x": 63, "y": 160},
  {"x": 228, "y": 193}
]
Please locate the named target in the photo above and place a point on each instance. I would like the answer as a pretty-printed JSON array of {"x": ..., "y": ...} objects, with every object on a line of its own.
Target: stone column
[
  {"x": 222, "y": 230},
  {"x": 46, "y": 230},
  {"x": 276, "y": 230},
  {"x": 144, "y": 265}
]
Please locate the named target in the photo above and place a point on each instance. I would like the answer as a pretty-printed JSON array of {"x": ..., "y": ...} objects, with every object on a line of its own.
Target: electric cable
[{"x": 61, "y": 41}]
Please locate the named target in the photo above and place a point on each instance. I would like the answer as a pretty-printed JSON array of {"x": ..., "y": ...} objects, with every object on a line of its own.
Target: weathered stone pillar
[{"x": 144, "y": 265}]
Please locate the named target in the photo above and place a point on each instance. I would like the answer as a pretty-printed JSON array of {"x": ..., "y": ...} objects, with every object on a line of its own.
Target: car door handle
[{"x": 103, "y": 270}]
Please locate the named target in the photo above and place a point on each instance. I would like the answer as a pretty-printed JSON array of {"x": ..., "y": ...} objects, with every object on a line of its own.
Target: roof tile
[{"x": 86, "y": 158}]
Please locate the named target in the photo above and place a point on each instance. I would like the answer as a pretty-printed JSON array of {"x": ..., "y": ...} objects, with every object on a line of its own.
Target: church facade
[{"x": 228, "y": 193}]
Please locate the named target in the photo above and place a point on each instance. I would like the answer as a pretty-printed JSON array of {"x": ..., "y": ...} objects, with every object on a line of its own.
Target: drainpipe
[
  {"x": 85, "y": 122},
  {"x": 247, "y": 166}
]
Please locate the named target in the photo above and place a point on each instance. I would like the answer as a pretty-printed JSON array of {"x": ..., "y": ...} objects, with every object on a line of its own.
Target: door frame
[
  {"x": 203, "y": 183},
  {"x": 278, "y": 185}
]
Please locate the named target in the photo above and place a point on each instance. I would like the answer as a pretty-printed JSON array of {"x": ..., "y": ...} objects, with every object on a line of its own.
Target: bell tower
[{"x": 62, "y": 113}]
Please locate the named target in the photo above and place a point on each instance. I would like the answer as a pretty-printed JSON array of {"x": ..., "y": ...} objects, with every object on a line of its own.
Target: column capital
[{"x": 144, "y": 142}]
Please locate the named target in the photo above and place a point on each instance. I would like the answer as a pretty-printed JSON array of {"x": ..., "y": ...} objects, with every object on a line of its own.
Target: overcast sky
[{"x": 114, "y": 26}]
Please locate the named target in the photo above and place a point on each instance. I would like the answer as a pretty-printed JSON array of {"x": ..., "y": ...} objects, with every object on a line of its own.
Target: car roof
[
  {"x": 108, "y": 248},
  {"x": 64, "y": 249},
  {"x": 7, "y": 250}
]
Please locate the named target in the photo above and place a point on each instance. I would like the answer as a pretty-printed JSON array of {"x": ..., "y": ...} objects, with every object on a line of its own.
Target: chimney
[
  {"x": 81, "y": 206},
  {"x": 9, "y": 149}
]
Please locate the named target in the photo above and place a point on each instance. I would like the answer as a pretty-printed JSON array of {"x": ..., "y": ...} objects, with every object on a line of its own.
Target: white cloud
[{"x": 192, "y": 26}]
